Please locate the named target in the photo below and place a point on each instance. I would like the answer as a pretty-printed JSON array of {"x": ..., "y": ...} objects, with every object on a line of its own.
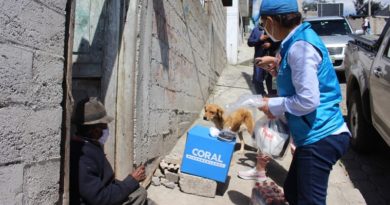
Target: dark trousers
[
  {"x": 259, "y": 75},
  {"x": 307, "y": 178}
]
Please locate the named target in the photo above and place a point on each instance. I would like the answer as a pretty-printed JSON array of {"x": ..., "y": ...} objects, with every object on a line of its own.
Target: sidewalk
[{"x": 233, "y": 82}]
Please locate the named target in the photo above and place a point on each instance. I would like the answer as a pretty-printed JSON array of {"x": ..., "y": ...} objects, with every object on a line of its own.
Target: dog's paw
[{"x": 241, "y": 151}]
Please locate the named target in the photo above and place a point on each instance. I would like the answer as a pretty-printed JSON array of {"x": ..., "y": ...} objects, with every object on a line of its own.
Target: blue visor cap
[{"x": 276, "y": 7}]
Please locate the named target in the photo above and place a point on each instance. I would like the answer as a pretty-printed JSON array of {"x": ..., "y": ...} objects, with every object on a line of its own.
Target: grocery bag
[{"x": 272, "y": 137}]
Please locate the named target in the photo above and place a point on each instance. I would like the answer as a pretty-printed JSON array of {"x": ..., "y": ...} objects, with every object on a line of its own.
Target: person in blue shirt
[
  {"x": 263, "y": 46},
  {"x": 309, "y": 96}
]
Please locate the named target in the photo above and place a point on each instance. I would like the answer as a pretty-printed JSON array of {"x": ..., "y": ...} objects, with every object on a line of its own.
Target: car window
[
  {"x": 386, "y": 54},
  {"x": 330, "y": 27}
]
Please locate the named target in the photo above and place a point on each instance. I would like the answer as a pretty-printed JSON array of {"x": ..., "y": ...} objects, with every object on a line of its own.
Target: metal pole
[{"x": 369, "y": 8}]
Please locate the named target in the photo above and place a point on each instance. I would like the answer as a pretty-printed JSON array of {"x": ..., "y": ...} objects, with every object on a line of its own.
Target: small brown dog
[{"x": 233, "y": 122}]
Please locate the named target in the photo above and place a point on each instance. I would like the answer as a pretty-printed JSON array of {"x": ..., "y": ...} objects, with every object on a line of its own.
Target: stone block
[
  {"x": 11, "y": 133},
  {"x": 167, "y": 183},
  {"x": 33, "y": 24},
  {"x": 41, "y": 182},
  {"x": 172, "y": 177},
  {"x": 48, "y": 77},
  {"x": 29, "y": 136},
  {"x": 42, "y": 137},
  {"x": 173, "y": 158},
  {"x": 156, "y": 181},
  {"x": 15, "y": 74},
  {"x": 197, "y": 185},
  {"x": 58, "y": 5},
  {"x": 11, "y": 180}
]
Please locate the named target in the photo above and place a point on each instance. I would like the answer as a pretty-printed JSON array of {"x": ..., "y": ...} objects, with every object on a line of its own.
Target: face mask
[
  {"x": 270, "y": 35},
  {"x": 105, "y": 135}
]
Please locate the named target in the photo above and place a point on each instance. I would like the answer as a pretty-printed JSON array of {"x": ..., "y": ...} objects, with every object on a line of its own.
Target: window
[
  {"x": 386, "y": 54},
  {"x": 330, "y": 27}
]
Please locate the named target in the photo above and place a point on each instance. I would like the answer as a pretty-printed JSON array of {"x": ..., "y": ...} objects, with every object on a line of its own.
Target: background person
[
  {"x": 366, "y": 26},
  {"x": 263, "y": 46},
  {"x": 309, "y": 98},
  {"x": 92, "y": 180}
]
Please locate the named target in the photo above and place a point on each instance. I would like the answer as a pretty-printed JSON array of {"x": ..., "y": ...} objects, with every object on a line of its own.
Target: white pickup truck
[{"x": 367, "y": 71}]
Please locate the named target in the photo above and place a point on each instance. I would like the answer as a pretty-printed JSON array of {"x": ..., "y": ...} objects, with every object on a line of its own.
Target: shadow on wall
[
  {"x": 97, "y": 36},
  {"x": 158, "y": 7},
  {"x": 186, "y": 16}
]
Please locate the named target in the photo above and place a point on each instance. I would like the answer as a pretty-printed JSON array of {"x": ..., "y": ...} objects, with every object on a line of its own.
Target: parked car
[
  {"x": 334, "y": 31},
  {"x": 367, "y": 70}
]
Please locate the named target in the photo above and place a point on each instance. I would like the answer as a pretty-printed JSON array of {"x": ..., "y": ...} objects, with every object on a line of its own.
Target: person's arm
[
  {"x": 303, "y": 59},
  {"x": 254, "y": 38},
  {"x": 92, "y": 189}
]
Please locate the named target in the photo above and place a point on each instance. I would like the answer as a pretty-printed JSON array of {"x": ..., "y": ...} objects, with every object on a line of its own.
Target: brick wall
[
  {"x": 181, "y": 53},
  {"x": 31, "y": 75}
]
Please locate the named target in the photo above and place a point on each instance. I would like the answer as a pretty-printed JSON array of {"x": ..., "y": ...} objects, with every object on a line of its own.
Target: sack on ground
[{"x": 272, "y": 137}]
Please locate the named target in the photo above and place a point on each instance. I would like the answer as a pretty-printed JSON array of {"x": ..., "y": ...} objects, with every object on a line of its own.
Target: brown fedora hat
[{"x": 95, "y": 113}]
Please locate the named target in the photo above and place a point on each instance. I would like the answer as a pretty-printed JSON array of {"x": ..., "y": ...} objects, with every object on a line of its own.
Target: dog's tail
[{"x": 249, "y": 122}]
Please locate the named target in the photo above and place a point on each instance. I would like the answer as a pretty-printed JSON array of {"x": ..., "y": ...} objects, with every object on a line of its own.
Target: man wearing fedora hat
[{"x": 92, "y": 180}]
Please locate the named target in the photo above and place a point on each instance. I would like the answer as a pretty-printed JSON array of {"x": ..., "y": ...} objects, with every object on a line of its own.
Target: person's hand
[
  {"x": 292, "y": 148},
  {"x": 268, "y": 63},
  {"x": 266, "y": 45},
  {"x": 264, "y": 61},
  {"x": 263, "y": 37},
  {"x": 265, "y": 109},
  {"x": 139, "y": 173}
]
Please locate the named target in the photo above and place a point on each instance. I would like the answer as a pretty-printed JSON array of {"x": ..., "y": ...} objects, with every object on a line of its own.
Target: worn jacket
[{"x": 92, "y": 179}]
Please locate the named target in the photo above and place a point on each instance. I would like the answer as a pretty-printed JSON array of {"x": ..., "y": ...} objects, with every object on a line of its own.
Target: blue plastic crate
[{"x": 206, "y": 156}]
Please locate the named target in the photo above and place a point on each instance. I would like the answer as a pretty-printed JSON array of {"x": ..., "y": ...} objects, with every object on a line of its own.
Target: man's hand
[
  {"x": 139, "y": 173},
  {"x": 266, "y": 45},
  {"x": 263, "y": 37},
  {"x": 266, "y": 110}
]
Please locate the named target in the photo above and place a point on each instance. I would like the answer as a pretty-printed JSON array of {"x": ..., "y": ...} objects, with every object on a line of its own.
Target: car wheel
[{"x": 360, "y": 129}]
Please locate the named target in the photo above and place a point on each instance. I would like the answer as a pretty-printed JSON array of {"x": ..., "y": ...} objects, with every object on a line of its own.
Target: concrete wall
[
  {"x": 31, "y": 75},
  {"x": 181, "y": 53}
]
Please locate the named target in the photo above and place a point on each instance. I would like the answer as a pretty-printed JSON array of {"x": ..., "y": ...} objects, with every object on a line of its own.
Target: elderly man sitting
[{"x": 92, "y": 179}]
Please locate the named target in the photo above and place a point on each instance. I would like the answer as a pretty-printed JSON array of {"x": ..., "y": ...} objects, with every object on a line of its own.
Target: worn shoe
[{"x": 253, "y": 174}]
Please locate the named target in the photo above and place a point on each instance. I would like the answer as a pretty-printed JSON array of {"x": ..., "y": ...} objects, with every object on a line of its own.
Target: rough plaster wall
[
  {"x": 182, "y": 52},
  {"x": 31, "y": 73}
]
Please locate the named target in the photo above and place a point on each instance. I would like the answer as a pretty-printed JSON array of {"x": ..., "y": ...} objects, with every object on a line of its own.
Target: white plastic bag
[
  {"x": 272, "y": 137},
  {"x": 245, "y": 101}
]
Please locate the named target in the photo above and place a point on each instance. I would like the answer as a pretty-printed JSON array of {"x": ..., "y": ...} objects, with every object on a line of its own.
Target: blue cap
[{"x": 276, "y": 7}]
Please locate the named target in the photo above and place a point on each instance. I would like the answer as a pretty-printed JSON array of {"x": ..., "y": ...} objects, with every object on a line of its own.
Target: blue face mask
[{"x": 105, "y": 135}]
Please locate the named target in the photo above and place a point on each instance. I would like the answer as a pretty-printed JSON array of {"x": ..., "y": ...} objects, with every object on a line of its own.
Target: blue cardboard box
[{"x": 206, "y": 156}]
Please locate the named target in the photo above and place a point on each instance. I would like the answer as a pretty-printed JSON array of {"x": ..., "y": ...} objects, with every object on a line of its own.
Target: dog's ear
[{"x": 220, "y": 112}]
